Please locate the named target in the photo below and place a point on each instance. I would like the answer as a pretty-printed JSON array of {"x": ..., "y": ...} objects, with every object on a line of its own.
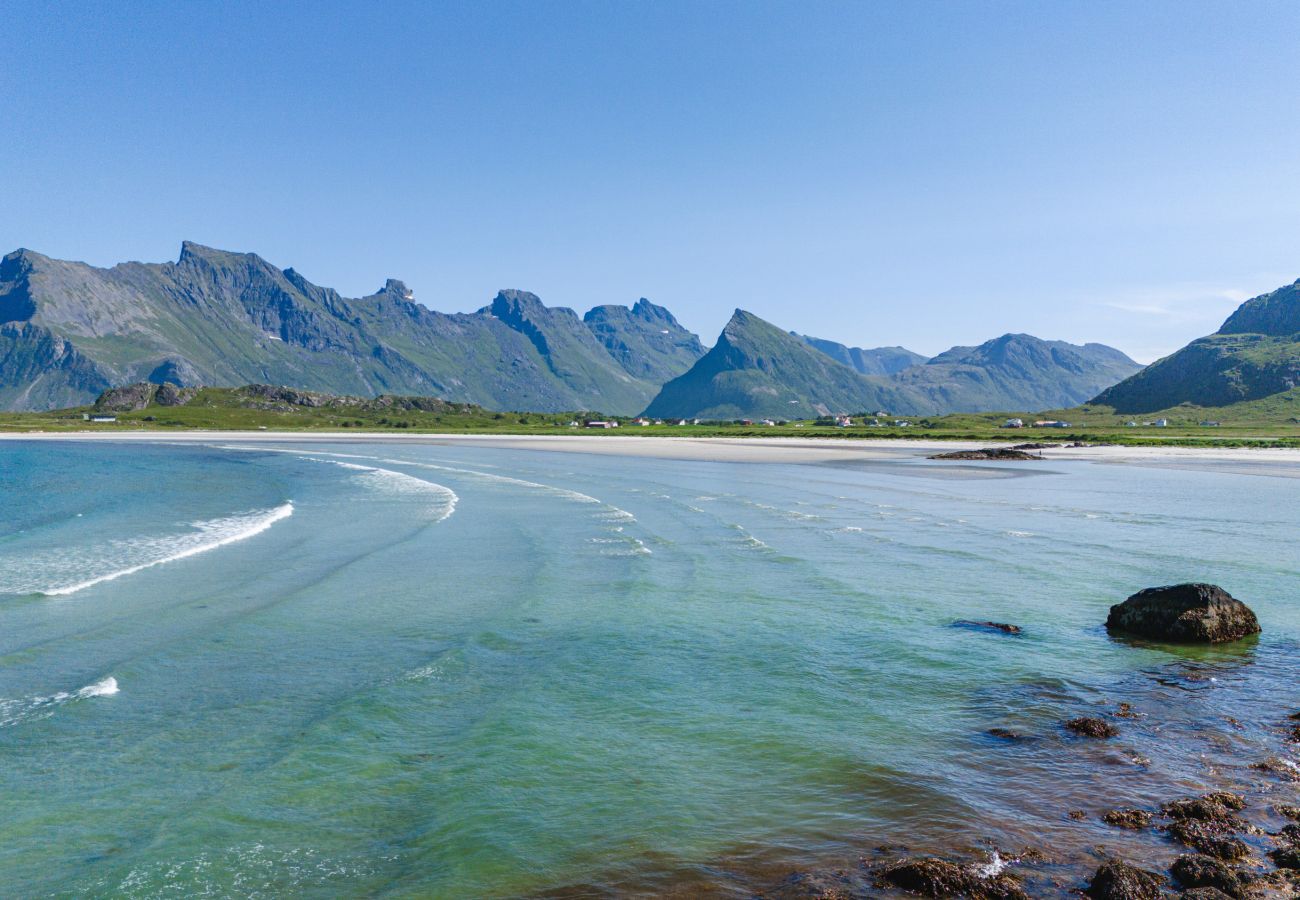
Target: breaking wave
[
  {"x": 65, "y": 574},
  {"x": 15, "y": 712},
  {"x": 386, "y": 481}
]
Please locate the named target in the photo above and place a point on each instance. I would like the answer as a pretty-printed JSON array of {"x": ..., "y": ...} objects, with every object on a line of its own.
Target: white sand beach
[{"x": 1275, "y": 461}]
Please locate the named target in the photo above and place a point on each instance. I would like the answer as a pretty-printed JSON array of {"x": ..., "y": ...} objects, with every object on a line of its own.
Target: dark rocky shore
[{"x": 1230, "y": 829}]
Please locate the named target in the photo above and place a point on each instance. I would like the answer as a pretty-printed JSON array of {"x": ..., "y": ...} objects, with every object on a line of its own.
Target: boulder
[
  {"x": 1207, "y": 872},
  {"x": 1119, "y": 881},
  {"x": 1183, "y": 613},
  {"x": 1133, "y": 819},
  {"x": 932, "y": 877},
  {"x": 1090, "y": 726}
]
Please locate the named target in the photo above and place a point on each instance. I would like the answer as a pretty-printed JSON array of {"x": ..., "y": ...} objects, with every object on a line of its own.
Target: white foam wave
[
  {"x": 993, "y": 868},
  {"x": 1020, "y": 534},
  {"x": 207, "y": 535},
  {"x": 399, "y": 483},
  {"x": 15, "y": 712}
]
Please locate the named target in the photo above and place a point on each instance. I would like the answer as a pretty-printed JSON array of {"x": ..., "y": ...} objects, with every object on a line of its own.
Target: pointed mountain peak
[{"x": 397, "y": 288}]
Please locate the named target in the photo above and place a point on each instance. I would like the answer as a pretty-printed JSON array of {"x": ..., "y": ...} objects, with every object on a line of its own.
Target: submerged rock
[
  {"x": 814, "y": 886},
  {"x": 1287, "y": 857},
  {"x": 1207, "y": 872},
  {"x": 1204, "y": 893},
  {"x": 1184, "y": 613},
  {"x": 1133, "y": 819},
  {"x": 1119, "y": 881},
  {"x": 1091, "y": 726},
  {"x": 1005, "y": 734},
  {"x": 988, "y": 626}
]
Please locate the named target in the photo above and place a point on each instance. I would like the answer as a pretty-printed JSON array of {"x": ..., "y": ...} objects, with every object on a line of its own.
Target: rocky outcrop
[
  {"x": 933, "y": 877},
  {"x": 1183, "y": 613},
  {"x": 1208, "y": 872},
  {"x": 1120, "y": 881},
  {"x": 1090, "y": 726},
  {"x": 998, "y": 453}
]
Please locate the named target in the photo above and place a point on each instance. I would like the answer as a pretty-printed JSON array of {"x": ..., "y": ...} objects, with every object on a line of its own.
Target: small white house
[
  {"x": 1161, "y": 423},
  {"x": 1014, "y": 423},
  {"x": 102, "y": 418}
]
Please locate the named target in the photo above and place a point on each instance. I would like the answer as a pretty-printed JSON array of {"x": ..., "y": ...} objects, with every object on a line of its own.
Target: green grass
[{"x": 1272, "y": 422}]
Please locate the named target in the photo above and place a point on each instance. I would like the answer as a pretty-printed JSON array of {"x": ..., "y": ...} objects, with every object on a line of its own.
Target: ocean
[{"x": 416, "y": 670}]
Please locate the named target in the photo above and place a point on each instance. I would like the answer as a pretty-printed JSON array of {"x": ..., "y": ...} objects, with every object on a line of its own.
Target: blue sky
[{"x": 916, "y": 173}]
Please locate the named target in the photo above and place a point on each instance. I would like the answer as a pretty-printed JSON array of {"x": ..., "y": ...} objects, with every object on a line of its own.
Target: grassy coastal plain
[{"x": 1272, "y": 422}]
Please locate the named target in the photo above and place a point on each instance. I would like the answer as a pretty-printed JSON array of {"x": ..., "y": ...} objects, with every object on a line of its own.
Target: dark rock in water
[
  {"x": 1282, "y": 768},
  {"x": 1032, "y": 446},
  {"x": 988, "y": 626},
  {"x": 1005, "y": 734},
  {"x": 1204, "y": 893},
  {"x": 1077, "y": 815},
  {"x": 1210, "y": 839},
  {"x": 1207, "y": 872},
  {"x": 1134, "y": 819},
  {"x": 1289, "y": 812},
  {"x": 932, "y": 877},
  {"x": 1090, "y": 726},
  {"x": 1287, "y": 857},
  {"x": 1119, "y": 881},
  {"x": 1126, "y": 711},
  {"x": 1216, "y": 808},
  {"x": 1184, "y": 613},
  {"x": 999, "y": 453}
]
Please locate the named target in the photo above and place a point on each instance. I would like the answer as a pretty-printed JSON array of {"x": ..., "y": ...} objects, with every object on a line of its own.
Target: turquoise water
[{"x": 444, "y": 671}]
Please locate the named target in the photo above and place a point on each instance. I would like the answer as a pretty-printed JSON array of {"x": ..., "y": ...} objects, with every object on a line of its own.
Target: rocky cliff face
[
  {"x": 646, "y": 340},
  {"x": 873, "y": 361},
  {"x": 220, "y": 318}
]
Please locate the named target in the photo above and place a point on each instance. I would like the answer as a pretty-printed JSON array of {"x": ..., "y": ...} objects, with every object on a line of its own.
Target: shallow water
[{"x": 438, "y": 671}]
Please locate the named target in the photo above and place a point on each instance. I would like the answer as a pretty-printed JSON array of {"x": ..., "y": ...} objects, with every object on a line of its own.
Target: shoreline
[{"x": 712, "y": 449}]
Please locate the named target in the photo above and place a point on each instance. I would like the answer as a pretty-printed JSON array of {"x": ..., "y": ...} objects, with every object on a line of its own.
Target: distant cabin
[
  {"x": 1014, "y": 423},
  {"x": 1161, "y": 423},
  {"x": 602, "y": 424},
  {"x": 102, "y": 418}
]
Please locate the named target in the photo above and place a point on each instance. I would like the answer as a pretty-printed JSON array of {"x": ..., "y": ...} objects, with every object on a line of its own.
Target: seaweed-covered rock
[
  {"x": 1091, "y": 726},
  {"x": 1286, "y": 857},
  {"x": 998, "y": 453},
  {"x": 933, "y": 877},
  {"x": 1117, "y": 880},
  {"x": 1209, "y": 839},
  {"x": 1133, "y": 819},
  {"x": 1204, "y": 893},
  {"x": 1208, "y": 872},
  {"x": 1184, "y": 613}
]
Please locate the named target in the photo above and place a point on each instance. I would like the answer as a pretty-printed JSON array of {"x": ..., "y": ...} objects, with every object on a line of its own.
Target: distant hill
[
  {"x": 759, "y": 370},
  {"x": 69, "y": 330},
  {"x": 874, "y": 361},
  {"x": 1015, "y": 371},
  {"x": 756, "y": 369},
  {"x": 1254, "y": 355}
]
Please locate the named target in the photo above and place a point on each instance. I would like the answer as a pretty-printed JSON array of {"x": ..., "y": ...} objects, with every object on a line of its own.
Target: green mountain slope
[
  {"x": 646, "y": 340},
  {"x": 758, "y": 370},
  {"x": 1256, "y": 354},
  {"x": 69, "y": 330},
  {"x": 873, "y": 361},
  {"x": 1015, "y": 371}
]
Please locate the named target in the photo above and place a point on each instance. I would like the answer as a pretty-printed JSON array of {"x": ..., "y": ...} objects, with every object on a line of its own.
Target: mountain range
[
  {"x": 757, "y": 369},
  {"x": 69, "y": 330},
  {"x": 1255, "y": 354}
]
